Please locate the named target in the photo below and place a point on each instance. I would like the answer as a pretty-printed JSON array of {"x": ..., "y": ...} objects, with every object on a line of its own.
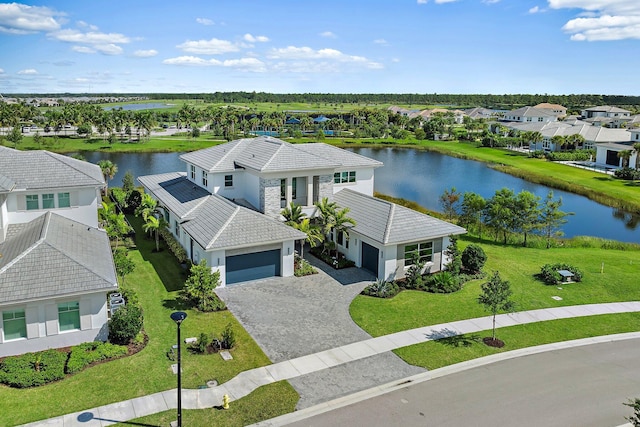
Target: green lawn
[
  {"x": 156, "y": 279},
  {"x": 412, "y": 309}
]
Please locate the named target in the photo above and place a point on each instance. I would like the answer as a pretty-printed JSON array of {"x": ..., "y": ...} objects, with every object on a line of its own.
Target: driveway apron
[{"x": 291, "y": 317}]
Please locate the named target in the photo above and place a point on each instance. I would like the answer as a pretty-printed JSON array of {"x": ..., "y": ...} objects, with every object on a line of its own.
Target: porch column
[
  {"x": 310, "y": 190},
  {"x": 289, "y": 190}
]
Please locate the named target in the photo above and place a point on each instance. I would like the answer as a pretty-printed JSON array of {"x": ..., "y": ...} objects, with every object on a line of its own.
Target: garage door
[
  {"x": 370, "y": 258},
  {"x": 256, "y": 265}
]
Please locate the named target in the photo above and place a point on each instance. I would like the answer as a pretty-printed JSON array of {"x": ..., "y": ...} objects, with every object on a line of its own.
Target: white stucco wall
[
  {"x": 43, "y": 328},
  {"x": 84, "y": 206},
  {"x": 363, "y": 184}
]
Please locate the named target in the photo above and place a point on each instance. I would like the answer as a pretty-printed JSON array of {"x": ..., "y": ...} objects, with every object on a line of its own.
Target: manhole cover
[
  {"x": 557, "y": 298},
  {"x": 212, "y": 383}
]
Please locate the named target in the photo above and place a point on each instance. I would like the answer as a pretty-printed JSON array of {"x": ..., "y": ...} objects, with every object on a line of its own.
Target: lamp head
[{"x": 178, "y": 316}]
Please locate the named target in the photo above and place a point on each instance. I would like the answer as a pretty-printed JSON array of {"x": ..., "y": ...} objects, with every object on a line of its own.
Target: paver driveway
[{"x": 291, "y": 317}]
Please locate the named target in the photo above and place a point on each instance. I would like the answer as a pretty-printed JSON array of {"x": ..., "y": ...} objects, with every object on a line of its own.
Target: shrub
[
  {"x": 85, "y": 354},
  {"x": 228, "y": 340},
  {"x": 199, "y": 288},
  {"x": 303, "y": 268},
  {"x": 119, "y": 195},
  {"x": 174, "y": 246},
  {"x": 413, "y": 278},
  {"x": 627, "y": 174},
  {"x": 133, "y": 201},
  {"x": 201, "y": 345},
  {"x": 125, "y": 324},
  {"x": 444, "y": 283},
  {"x": 577, "y": 155},
  {"x": 473, "y": 258},
  {"x": 33, "y": 369},
  {"x": 550, "y": 276},
  {"x": 381, "y": 289}
]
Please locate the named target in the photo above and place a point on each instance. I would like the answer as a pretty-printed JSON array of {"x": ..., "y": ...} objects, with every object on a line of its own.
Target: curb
[{"x": 436, "y": 373}]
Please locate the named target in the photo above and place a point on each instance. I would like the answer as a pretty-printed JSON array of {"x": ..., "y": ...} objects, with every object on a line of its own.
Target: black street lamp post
[{"x": 178, "y": 317}]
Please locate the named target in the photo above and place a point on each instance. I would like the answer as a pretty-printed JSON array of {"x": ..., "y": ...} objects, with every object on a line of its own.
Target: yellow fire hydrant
[{"x": 225, "y": 401}]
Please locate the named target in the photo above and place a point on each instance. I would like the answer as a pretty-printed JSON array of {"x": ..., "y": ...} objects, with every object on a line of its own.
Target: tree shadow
[
  {"x": 176, "y": 304},
  {"x": 457, "y": 341}
]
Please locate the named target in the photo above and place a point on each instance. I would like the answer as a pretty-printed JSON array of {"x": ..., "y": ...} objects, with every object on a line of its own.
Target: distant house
[
  {"x": 604, "y": 111},
  {"x": 556, "y": 109},
  {"x": 480, "y": 113},
  {"x": 55, "y": 263},
  {"x": 529, "y": 115},
  {"x": 226, "y": 209}
]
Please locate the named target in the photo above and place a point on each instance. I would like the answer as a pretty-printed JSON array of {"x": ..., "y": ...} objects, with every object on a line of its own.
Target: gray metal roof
[
  {"x": 175, "y": 192},
  {"x": 267, "y": 154},
  {"x": 32, "y": 170},
  {"x": 388, "y": 223},
  {"x": 218, "y": 223},
  {"x": 6, "y": 184},
  {"x": 530, "y": 112},
  {"x": 54, "y": 256}
]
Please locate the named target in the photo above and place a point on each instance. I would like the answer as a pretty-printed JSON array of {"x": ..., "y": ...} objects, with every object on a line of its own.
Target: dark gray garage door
[
  {"x": 370, "y": 258},
  {"x": 256, "y": 265}
]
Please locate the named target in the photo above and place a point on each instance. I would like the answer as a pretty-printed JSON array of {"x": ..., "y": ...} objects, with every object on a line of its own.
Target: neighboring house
[
  {"x": 605, "y": 111},
  {"x": 480, "y": 113},
  {"x": 56, "y": 266},
  {"x": 556, "y": 109},
  {"x": 529, "y": 114},
  {"x": 425, "y": 115},
  {"x": 226, "y": 207},
  {"x": 608, "y": 154}
]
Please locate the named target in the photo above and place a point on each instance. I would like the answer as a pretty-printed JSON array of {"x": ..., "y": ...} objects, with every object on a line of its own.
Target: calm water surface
[{"x": 422, "y": 177}]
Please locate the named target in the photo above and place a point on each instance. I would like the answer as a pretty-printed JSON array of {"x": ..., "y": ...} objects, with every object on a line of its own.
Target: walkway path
[{"x": 248, "y": 381}]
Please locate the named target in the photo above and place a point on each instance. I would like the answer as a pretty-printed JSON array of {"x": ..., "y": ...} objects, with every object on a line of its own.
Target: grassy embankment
[
  {"x": 157, "y": 279},
  {"x": 518, "y": 265}
]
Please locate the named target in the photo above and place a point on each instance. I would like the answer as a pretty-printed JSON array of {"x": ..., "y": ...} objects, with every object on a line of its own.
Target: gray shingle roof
[
  {"x": 33, "y": 170},
  {"x": 267, "y": 154},
  {"x": 219, "y": 223},
  {"x": 388, "y": 223},
  {"x": 175, "y": 192},
  {"x": 54, "y": 256},
  {"x": 6, "y": 184}
]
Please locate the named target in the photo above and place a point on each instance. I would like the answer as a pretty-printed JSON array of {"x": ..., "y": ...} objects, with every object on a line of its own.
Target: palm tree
[
  {"x": 148, "y": 206},
  {"x": 113, "y": 222},
  {"x": 109, "y": 170},
  {"x": 576, "y": 140},
  {"x": 559, "y": 141},
  {"x": 313, "y": 232},
  {"x": 625, "y": 155},
  {"x": 536, "y": 137},
  {"x": 154, "y": 224},
  {"x": 293, "y": 214},
  {"x": 342, "y": 223},
  {"x": 636, "y": 150}
]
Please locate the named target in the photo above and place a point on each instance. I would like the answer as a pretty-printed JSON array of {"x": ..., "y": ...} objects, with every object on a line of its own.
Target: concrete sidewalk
[{"x": 248, "y": 381}]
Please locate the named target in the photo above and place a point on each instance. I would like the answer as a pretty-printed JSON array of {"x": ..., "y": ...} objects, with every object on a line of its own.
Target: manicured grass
[
  {"x": 412, "y": 309},
  {"x": 264, "y": 403},
  {"x": 156, "y": 279},
  {"x": 444, "y": 352}
]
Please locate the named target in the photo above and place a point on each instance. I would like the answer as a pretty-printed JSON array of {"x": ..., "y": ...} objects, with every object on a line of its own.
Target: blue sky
[{"x": 346, "y": 46}]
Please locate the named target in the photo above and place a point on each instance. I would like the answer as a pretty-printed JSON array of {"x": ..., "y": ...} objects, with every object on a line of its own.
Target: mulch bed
[{"x": 493, "y": 342}]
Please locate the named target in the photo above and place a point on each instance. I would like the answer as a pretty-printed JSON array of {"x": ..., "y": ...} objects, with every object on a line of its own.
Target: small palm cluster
[{"x": 329, "y": 217}]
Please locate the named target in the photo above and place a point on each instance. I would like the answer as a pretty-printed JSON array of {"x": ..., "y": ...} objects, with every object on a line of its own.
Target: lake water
[
  {"x": 422, "y": 177},
  {"x": 145, "y": 106}
]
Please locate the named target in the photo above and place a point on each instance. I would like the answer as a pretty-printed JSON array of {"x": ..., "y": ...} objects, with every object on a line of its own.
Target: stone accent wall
[
  {"x": 270, "y": 197},
  {"x": 325, "y": 186}
]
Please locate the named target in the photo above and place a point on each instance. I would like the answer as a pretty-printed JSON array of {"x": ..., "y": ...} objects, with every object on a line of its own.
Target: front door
[{"x": 370, "y": 256}]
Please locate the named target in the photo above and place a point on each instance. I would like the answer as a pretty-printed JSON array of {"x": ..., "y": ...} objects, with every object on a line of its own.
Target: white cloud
[
  {"x": 145, "y": 53},
  {"x": 1, "y": 71},
  {"x": 328, "y": 34},
  {"x": 602, "y": 20},
  {"x": 242, "y": 64},
  {"x": 490, "y": 1},
  {"x": 83, "y": 24},
  {"x": 422, "y": 1},
  {"x": 381, "y": 42},
  {"x": 83, "y": 49},
  {"x": 253, "y": 39},
  {"x": 108, "y": 49},
  {"x": 208, "y": 47},
  {"x": 16, "y": 18},
  {"x": 204, "y": 21},
  {"x": 534, "y": 9},
  {"x": 325, "y": 59},
  {"x": 28, "y": 72}
]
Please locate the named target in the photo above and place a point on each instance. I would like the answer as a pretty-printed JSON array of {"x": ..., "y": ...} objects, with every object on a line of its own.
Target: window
[
  {"x": 228, "y": 180},
  {"x": 32, "y": 202},
  {"x": 69, "y": 316},
  {"x": 48, "y": 202},
  {"x": 14, "y": 324},
  {"x": 343, "y": 239},
  {"x": 283, "y": 190},
  {"x": 204, "y": 179},
  {"x": 423, "y": 250},
  {"x": 343, "y": 177},
  {"x": 167, "y": 216},
  {"x": 193, "y": 172},
  {"x": 64, "y": 201},
  {"x": 177, "y": 227},
  {"x": 293, "y": 188}
]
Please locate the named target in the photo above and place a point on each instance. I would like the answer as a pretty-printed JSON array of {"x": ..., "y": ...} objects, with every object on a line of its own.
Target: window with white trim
[
  {"x": 205, "y": 181},
  {"x": 69, "y": 316},
  {"x": 344, "y": 177},
  {"x": 64, "y": 200},
  {"x": 423, "y": 250},
  {"x": 193, "y": 173},
  {"x": 32, "y": 202},
  {"x": 14, "y": 324},
  {"x": 294, "y": 188},
  {"x": 48, "y": 202},
  {"x": 228, "y": 180}
]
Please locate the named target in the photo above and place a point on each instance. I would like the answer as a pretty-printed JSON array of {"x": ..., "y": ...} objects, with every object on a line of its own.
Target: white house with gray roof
[
  {"x": 226, "y": 206},
  {"x": 55, "y": 264}
]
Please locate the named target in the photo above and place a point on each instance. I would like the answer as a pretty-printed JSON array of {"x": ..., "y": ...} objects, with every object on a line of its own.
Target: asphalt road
[{"x": 583, "y": 386}]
